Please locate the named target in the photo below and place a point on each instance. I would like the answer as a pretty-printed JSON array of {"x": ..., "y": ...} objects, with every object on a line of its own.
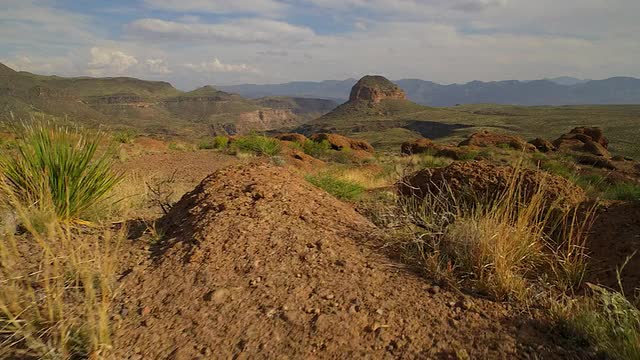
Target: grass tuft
[
  {"x": 342, "y": 189},
  {"x": 60, "y": 163},
  {"x": 260, "y": 145}
]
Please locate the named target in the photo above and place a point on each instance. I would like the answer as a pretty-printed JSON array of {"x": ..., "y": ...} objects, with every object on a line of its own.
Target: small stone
[
  {"x": 145, "y": 311},
  {"x": 329, "y": 296},
  {"x": 220, "y": 295},
  {"x": 379, "y": 311}
]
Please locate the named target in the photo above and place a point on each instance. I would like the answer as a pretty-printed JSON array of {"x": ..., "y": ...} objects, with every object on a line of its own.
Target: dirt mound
[
  {"x": 582, "y": 139},
  {"x": 257, "y": 263},
  {"x": 421, "y": 146},
  {"x": 339, "y": 142},
  {"x": 299, "y": 159},
  {"x": 614, "y": 236},
  {"x": 542, "y": 145},
  {"x": 483, "y": 179},
  {"x": 293, "y": 137},
  {"x": 486, "y": 138}
]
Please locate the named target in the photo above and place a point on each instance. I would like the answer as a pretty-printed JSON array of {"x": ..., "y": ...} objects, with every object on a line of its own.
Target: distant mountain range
[{"x": 556, "y": 91}]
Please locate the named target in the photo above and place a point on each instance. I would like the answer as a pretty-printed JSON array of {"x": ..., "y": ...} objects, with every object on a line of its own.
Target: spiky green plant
[{"x": 61, "y": 163}]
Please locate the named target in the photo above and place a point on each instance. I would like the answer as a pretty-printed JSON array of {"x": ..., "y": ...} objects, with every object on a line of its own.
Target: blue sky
[{"x": 195, "y": 42}]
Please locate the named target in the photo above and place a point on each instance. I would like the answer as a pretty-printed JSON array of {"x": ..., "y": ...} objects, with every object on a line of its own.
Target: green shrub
[
  {"x": 124, "y": 136},
  {"x": 429, "y": 161},
  {"x": 341, "y": 189},
  {"x": 258, "y": 144},
  {"x": 217, "y": 142},
  {"x": 466, "y": 156},
  {"x": 62, "y": 164},
  {"x": 558, "y": 168},
  {"x": 622, "y": 191},
  {"x": 316, "y": 149},
  {"x": 610, "y": 323}
]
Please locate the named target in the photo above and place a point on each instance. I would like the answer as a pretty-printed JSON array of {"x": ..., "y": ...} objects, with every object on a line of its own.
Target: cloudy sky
[{"x": 196, "y": 42}]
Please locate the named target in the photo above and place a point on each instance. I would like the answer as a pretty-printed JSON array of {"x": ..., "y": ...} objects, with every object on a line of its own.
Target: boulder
[
  {"x": 421, "y": 146},
  {"x": 292, "y": 137},
  {"x": 596, "y": 161},
  {"x": 583, "y": 139},
  {"x": 542, "y": 145},
  {"x": 339, "y": 142},
  {"x": 418, "y": 146},
  {"x": 486, "y": 138}
]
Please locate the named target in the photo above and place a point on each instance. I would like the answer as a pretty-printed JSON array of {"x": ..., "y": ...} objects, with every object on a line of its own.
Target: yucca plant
[{"x": 61, "y": 163}]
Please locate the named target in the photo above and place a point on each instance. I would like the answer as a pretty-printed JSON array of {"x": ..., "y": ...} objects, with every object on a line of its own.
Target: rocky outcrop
[
  {"x": 583, "y": 139},
  {"x": 292, "y": 137},
  {"x": 542, "y": 145},
  {"x": 486, "y": 138},
  {"x": 267, "y": 119},
  {"x": 481, "y": 179},
  {"x": 374, "y": 89},
  {"x": 426, "y": 146},
  {"x": 339, "y": 142}
]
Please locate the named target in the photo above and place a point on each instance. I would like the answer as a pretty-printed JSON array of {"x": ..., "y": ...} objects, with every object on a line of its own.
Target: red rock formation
[{"x": 375, "y": 89}]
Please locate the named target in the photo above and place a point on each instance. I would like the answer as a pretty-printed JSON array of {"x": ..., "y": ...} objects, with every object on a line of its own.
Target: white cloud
[
  {"x": 240, "y": 30},
  {"x": 217, "y": 66},
  {"x": 157, "y": 66},
  {"x": 106, "y": 61},
  {"x": 263, "y": 7}
]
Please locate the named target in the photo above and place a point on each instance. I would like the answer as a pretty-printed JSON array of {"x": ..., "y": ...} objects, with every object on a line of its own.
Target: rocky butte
[{"x": 374, "y": 89}]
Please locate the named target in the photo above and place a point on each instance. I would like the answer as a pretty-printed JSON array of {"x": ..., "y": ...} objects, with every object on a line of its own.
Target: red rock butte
[{"x": 375, "y": 89}]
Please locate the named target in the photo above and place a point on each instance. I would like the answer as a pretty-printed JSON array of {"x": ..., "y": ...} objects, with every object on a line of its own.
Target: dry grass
[
  {"x": 503, "y": 248},
  {"x": 57, "y": 287}
]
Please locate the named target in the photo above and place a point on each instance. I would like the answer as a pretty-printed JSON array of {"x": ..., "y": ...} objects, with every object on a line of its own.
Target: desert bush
[
  {"x": 499, "y": 247},
  {"x": 60, "y": 163},
  {"x": 217, "y": 142},
  {"x": 316, "y": 149},
  {"x": 258, "y": 144},
  {"x": 609, "y": 322},
  {"x": 622, "y": 191},
  {"x": 467, "y": 156},
  {"x": 124, "y": 136},
  {"x": 57, "y": 287},
  {"x": 430, "y": 161},
  {"x": 341, "y": 189}
]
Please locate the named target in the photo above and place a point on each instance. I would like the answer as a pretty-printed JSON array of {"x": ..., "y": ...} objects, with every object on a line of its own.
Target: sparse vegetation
[
  {"x": 622, "y": 191},
  {"x": 125, "y": 136},
  {"x": 61, "y": 164},
  {"x": 318, "y": 150},
  {"x": 57, "y": 279},
  {"x": 496, "y": 247},
  {"x": 216, "y": 142},
  {"x": 260, "y": 145},
  {"x": 342, "y": 189},
  {"x": 609, "y": 322}
]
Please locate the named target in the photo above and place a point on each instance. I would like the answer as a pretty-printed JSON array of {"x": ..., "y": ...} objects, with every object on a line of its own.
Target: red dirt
[{"x": 257, "y": 263}]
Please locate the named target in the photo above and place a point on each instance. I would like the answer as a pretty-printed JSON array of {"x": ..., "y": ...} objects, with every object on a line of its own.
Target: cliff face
[
  {"x": 267, "y": 119},
  {"x": 259, "y": 120},
  {"x": 374, "y": 89}
]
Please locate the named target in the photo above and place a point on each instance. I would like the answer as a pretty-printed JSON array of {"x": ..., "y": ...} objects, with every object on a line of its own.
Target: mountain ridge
[{"x": 614, "y": 90}]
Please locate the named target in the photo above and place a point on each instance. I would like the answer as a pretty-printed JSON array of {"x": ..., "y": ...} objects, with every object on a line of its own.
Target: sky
[{"x": 191, "y": 43}]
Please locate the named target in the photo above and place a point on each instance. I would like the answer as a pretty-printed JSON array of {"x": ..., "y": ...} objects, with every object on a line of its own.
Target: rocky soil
[{"x": 257, "y": 263}]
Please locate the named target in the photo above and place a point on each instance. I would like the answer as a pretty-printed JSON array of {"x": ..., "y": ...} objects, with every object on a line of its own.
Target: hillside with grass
[{"x": 152, "y": 107}]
